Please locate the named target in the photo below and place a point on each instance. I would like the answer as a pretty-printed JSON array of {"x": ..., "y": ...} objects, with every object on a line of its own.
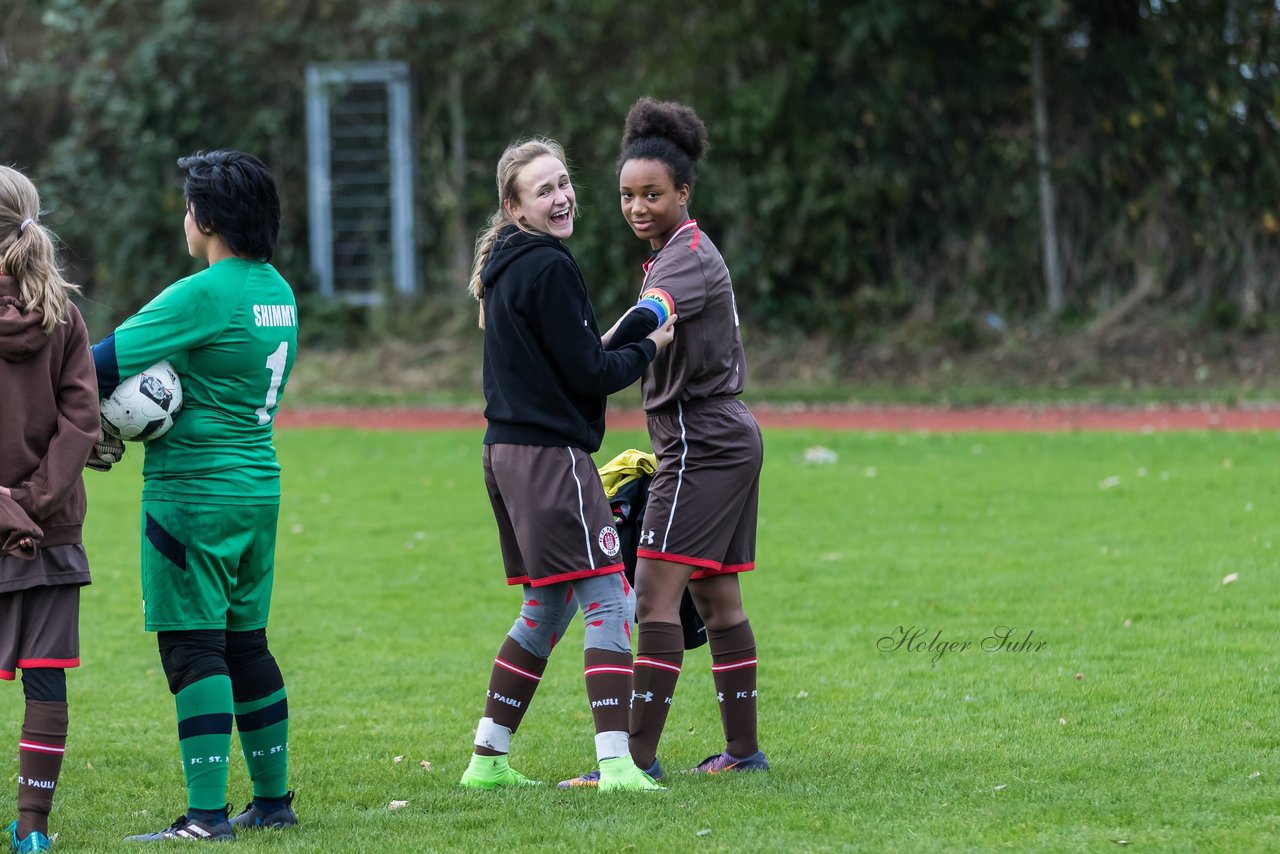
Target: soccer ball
[{"x": 144, "y": 405}]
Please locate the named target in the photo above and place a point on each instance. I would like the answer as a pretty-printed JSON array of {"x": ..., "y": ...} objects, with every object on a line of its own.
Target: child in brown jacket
[{"x": 49, "y": 422}]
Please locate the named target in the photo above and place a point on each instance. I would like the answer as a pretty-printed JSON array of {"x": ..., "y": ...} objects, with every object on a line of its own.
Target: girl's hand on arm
[{"x": 662, "y": 336}]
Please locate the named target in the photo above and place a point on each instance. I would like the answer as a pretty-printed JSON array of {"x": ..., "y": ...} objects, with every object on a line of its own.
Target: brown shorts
[
  {"x": 704, "y": 497},
  {"x": 39, "y": 627},
  {"x": 554, "y": 522}
]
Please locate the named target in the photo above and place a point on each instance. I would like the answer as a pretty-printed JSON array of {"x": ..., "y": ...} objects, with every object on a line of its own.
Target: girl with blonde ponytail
[
  {"x": 514, "y": 159},
  {"x": 547, "y": 378},
  {"x": 26, "y": 250},
  {"x": 48, "y": 424}
]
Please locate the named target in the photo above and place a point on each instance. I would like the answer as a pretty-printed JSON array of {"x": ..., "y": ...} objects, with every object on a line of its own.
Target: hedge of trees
[{"x": 872, "y": 163}]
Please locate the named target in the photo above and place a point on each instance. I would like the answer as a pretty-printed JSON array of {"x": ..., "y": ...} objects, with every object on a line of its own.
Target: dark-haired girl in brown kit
[{"x": 699, "y": 527}]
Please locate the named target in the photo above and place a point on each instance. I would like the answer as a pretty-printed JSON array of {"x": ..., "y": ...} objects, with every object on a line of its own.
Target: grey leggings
[{"x": 608, "y": 603}]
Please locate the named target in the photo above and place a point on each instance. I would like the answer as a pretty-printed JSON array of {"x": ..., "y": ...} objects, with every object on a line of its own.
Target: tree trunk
[
  {"x": 1048, "y": 225},
  {"x": 460, "y": 246}
]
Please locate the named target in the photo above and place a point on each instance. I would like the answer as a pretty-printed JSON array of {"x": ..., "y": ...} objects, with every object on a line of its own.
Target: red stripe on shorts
[
  {"x": 48, "y": 662},
  {"x": 688, "y": 561},
  {"x": 566, "y": 576}
]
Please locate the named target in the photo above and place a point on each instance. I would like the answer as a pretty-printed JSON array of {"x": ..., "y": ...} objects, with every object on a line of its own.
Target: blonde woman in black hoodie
[
  {"x": 546, "y": 381},
  {"x": 48, "y": 424}
]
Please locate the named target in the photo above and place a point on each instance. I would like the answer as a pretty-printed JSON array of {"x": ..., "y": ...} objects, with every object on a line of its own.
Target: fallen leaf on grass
[
  {"x": 1079, "y": 677},
  {"x": 1001, "y": 786},
  {"x": 706, "y": 831},
  {"x": 802, "y": 695},
  {"x": 395, "y": 805},
  {"x": 1255, "y": 775},
  {"x": 426, "y": 766},
  {"x": 398, "y": 759},
  {"x": 1062, "y": 721},
  {"x": 1119, "y": 841},
  {"x": 819, "y": 455},
  {"x": 1109, "y": 482},
  {"x": 1230, "y": 577}
]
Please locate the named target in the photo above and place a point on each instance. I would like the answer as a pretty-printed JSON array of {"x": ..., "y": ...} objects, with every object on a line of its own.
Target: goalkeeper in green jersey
[{"x": 211, "y": 490}]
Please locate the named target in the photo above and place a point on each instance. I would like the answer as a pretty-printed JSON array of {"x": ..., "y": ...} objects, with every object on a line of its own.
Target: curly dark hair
[{"x": 666, "y": 131}]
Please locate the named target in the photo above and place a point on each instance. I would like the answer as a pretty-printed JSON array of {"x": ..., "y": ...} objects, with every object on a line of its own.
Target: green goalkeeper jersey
[{"x": 231, "y": 332}]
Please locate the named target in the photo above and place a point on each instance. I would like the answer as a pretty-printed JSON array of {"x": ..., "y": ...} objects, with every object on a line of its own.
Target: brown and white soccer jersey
[
  {"x": 704, "y": 497},
  {"x": 554, "y": 521},
  {"x": 705, "y": 359}
]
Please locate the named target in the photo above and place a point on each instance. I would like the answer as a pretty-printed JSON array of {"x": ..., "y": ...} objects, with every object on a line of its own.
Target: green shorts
[{"x": 207, "y": 566}]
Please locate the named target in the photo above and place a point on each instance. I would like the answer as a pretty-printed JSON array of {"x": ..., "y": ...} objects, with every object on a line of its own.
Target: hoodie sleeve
[
  {"x": 79, "y": 424},
  {"x": 560, "y": 308},
  {"x": 16, "y": 526}
]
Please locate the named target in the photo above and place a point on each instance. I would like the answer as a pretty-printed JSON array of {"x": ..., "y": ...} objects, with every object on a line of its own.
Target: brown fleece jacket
[{"x": 48, "y": 415}]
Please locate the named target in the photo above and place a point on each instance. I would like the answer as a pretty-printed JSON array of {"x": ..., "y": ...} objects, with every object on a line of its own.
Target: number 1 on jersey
[{"x": 275, "y": 363}]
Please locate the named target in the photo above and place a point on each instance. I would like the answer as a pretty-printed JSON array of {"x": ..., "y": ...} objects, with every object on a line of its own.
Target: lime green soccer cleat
[
  {"x": 493, "y": 772},
  {"x": 621, "y": 775}
]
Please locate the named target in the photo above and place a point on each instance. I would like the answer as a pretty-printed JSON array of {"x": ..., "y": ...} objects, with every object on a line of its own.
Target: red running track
[{"x": 891, "y": 418}]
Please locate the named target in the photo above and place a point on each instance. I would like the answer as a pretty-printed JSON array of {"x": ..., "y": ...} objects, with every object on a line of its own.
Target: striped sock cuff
[
  {"x": 657, "y": 663},
  {"x": 38, "y": 747},
  {"x": 519, "y": 671}
]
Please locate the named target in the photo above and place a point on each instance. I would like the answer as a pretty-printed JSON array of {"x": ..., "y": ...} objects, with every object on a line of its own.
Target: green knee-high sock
[
  {"x": 264, "y": 739},
  {"x": 204, "y": 736}
]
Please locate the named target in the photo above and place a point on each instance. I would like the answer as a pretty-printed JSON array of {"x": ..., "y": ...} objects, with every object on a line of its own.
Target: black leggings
[
  {"x": 190, "y": 656},
  {"x": 45, "y": 684}
]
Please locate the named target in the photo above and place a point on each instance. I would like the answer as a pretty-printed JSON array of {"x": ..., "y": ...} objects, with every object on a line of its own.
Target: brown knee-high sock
[
  {"x": 659, "y": 654},
  {"x": 608, "y": 677},
  {"x": 733, "y": 667},
  {"x": 514, "y": 679},
  {"x": 44, "y": 738}
]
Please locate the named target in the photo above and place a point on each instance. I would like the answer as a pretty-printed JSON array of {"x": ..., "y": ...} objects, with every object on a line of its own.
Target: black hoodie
[{"x": 546, "y": 375}]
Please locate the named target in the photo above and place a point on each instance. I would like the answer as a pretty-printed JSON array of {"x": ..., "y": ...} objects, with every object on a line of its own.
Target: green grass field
[{"x": 1147, "y": 719}]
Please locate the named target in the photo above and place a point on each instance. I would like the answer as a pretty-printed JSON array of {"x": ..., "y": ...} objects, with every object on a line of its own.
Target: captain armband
[{"x": 659, "y": 302}]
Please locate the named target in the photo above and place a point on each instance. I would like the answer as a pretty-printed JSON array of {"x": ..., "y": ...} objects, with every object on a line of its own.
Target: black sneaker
[
  {"x": 195, "y": 830},
  {"x": 253, "y": 816}
]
